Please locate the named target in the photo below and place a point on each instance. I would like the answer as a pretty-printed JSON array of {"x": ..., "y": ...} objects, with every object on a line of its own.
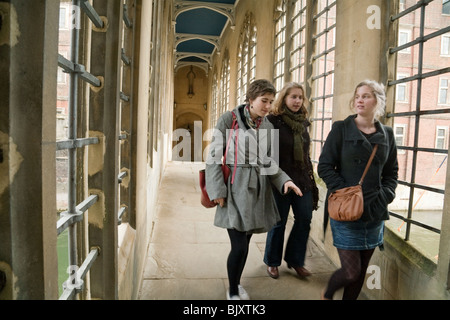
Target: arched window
[
  {"x": 225, "y": 85},
  {"x": 246, "y": 58},
  {"x": 214, "y": 102},
  {"x": 280, "y": 46}
]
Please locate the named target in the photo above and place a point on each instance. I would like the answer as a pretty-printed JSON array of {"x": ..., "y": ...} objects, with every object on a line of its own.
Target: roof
[{"x": 199, "y": 26}]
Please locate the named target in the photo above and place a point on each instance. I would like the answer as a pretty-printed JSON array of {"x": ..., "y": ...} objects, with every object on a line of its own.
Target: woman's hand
[
  {"x": 290, "y": 185},
  {"x": 220, "y": 201}
]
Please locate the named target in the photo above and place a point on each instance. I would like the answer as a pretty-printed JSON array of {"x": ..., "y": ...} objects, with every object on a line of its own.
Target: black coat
[
  {"x": 344, "y": 157},
  {"x": 301, "y": 175}
]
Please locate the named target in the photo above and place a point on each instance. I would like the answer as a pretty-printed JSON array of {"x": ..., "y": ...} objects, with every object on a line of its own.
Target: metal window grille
[
  {"x": 298, "y": 41},
  {"x": 421, "y": 163},
  {"x": 280, "y": 44},
  {"x": 323, "y": 71},
  {"x": 75, "y": 212},
  {"x": 70, "y": 219},
  {"x": 225, "y": 85},
  {"x": 126, "y": 154},
  {"x": 246, "y": 59},
  {"x": 214, "y": 102}
]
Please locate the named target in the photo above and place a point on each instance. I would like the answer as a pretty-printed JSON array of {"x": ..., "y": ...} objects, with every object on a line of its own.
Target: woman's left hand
[{"x": 290, "y": 185}]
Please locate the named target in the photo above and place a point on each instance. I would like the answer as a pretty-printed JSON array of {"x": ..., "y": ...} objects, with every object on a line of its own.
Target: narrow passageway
[{"x": 186, "y": 258}]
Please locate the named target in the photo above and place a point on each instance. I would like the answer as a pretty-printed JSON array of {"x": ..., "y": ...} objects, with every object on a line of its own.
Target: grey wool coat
[
  {"x": 250, "y": 206},
  {"x": 343, "y": 160}
]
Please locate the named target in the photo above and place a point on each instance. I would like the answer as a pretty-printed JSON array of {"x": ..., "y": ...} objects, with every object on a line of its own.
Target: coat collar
[
  {"x": 352, "y": 133},
  {"x": 265, "y": 124}
]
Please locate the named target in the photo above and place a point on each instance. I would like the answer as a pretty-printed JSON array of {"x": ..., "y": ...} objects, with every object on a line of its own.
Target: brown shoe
[
  {"x": 302, "y": 272},
  {"x": 273, "y": 272}
]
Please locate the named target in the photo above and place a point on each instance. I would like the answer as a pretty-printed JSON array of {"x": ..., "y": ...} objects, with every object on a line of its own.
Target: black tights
[
  {"x": 237, "y": 258},
  {"x": 351, "y": 276}
]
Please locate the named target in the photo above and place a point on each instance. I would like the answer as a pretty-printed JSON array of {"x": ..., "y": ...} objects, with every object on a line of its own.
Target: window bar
[
  {"x": 410, "y": 221},
  {"x": 120, "y": 214},
  {"x": 421, "y": 39},
  {"x": 121, "y": 176},
  {"x": 125, "y": 58},
  {"x": 443, "y": 151},
  {"x": 71, "y": 67},
  {"x": 67, "y": 219},
  {"x": 77, "y": 282},
  {"x": 420, "y": 76},
  {"x": 126, "y": 19},
  {"x": 419, "y": 186},
  {"x": 124, "y": 97},
  {"x": 92, "y": 14},
  {"x": 75, "y": 213},
  {"x": 72, "y": 188},
  {"x": 77, "y": 143},
  {"x": 323, "y": 54},
  {"x": 417, "y": 121},
  {"x": 419, "y": 4}
]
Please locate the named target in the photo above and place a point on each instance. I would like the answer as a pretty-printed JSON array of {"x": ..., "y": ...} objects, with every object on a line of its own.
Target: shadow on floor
[{"x": 187, "y": 254}]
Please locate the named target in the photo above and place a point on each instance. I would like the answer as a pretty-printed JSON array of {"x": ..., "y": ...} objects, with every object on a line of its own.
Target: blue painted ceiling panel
[
  {"x": 200, "y": 21},
  {"x": 198, "y": 46}
]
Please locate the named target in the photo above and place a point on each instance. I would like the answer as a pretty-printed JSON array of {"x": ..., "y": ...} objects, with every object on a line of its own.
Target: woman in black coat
[
  {"x": 341, "y": 164},
  {"x": 290, "y": 116}
]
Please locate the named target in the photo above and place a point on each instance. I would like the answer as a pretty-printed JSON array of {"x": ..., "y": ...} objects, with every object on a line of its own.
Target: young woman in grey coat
[
  {"x": 245, "y": 202},
  {"x": 341, "y": 164}
]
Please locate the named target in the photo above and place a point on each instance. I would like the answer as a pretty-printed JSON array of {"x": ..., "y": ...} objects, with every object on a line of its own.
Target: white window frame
[
  {"x": 444, "y": 137},
  {"x": 408, "y": 39},
  {"x": 402, "y": 136},
  {"x": 447, "y": 88},
  {"x": 447, "y": 38}
]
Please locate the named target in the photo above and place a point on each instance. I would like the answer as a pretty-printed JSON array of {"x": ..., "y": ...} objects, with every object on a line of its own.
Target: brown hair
[
  {"x": 259, "y": 88},
  {"x": 279, "y": 105}
]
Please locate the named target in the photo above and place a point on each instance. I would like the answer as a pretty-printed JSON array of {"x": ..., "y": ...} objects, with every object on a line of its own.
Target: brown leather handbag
[
  {"x": 347, "y": 204},
  {"x": 204, "y": 198}
]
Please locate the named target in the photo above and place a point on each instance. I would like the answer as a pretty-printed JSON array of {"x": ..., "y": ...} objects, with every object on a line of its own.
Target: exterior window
[
  {"x": 224, "y": 87},
  {"x": 399, "y": 132},
  {"x": 213, "y": 112},
  {"x": 404, "y": 37},
  {"x": 443, "y": 92},
  {"x": 446, "y": 7},
  {"x": 62, "y": 18},
  {"x": 445, "y": 45},
  {"x": 322, "y": 87},
  {"x": 280, "y": 44},
  {"x": 441, "y": 137},
  {"x": 422, "y": 108},
  {"x": 401, "y": 90},
  {"x": 246, "y": 58},
  {"x": 298, "y": 20}
]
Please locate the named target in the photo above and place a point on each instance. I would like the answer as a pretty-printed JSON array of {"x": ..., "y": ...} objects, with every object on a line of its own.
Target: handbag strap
[
  {"x": 233, "y": 125},
  {"x": 368, "y": 164}
]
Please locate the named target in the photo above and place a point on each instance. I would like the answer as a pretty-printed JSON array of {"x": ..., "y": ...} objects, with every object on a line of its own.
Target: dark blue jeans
[{"x": 302, "y": 208}]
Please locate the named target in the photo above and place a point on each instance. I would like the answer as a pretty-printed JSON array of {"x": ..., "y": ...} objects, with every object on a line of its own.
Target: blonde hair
[
  {"x": 377, "y": 91},
  {"x": 279, "y": 104}
]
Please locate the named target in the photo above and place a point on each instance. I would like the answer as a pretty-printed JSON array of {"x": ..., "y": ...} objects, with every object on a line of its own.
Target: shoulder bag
[
  {"x": 347, "y": 204},
  {"x": 204, "y": 198}
]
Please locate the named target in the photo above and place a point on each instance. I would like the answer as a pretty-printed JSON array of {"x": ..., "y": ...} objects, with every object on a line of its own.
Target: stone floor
[{"x": 187, "y": 255}]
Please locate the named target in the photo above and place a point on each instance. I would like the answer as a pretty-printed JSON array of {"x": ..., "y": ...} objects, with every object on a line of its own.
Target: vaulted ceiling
[{"x": 199, "y": 25}]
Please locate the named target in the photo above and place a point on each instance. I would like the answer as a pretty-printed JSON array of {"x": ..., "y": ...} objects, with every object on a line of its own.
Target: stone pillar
[
  {"x": 103, "y": 158},
  {"x": 360, "y": 54},
  {"x": 28, "y": 74}
]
